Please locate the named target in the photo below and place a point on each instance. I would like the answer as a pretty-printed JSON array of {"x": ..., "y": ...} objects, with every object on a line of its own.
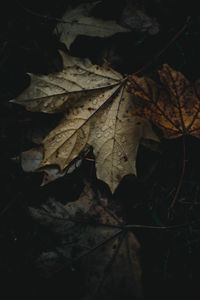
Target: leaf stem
[{"x": 181, "y": 177}]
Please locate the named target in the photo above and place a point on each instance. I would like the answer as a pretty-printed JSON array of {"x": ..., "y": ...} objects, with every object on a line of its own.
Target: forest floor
[{"x": 170, "y": 258}]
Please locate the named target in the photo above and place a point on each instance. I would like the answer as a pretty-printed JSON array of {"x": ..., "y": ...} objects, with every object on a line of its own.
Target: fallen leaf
[
  {"x": 31, "y": 160},
  {"x": 88, "y": 233},
  {"x": 78, "y": 21},
  {"x": 174, "y": 106},
  {"x": 94, "y": 104},
  {"x": 135, "y": 16}
]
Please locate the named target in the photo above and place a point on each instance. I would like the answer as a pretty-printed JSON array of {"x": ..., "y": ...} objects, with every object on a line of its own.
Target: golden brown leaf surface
[
  {"x": 89, "y": 234},
  {"x": 94, "y": 105},
  {"x": 174, "y": 106}
]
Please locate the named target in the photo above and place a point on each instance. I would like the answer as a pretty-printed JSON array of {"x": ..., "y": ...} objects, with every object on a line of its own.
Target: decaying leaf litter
[
  {"x": 173, "y": 106},
  {"x": 54, "y": 172},
  {"x": 89, "y": 102},
  {"x": 94, "y": 104},
  {"x": 92, "y": 235}
]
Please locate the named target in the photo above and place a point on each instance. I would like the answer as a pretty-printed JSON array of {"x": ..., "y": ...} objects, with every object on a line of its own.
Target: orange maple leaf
[{"x": 173, "y": 105}]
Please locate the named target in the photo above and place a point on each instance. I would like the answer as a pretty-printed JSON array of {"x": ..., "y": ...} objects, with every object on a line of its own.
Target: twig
[
  {"x": 123, "y": 227},
  {"x": 170, "y": 227},
  {"x": 31, "y": 12},
  {"x": 181, "y": 177}
]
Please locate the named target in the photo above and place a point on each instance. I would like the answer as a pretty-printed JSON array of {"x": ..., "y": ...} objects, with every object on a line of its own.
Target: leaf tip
[{"x": 13, "y": 101}]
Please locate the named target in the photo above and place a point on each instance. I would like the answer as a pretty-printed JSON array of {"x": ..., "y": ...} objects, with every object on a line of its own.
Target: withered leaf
[
  {"x": 174, "y": 106},
  {"x": 135, "y": 16},
  {"x": 93, "y": 237},
  {"x": 78, "y": 21},
  {"x": 94, "y": 104}
]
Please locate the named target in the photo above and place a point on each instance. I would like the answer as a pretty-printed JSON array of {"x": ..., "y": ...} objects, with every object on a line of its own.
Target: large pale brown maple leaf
[
  {"x": 94, "y": 106},
  {"x": 173, "y": 105}
]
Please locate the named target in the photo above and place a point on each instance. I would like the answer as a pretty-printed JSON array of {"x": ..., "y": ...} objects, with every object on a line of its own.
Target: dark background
[{"x": 170, "y": 259}]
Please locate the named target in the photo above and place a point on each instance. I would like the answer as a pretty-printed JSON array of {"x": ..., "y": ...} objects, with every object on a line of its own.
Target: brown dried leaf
[
  {"x": 173, "y": 106},
  {"x": 94, "y": 106},
  {"x": 92, "y": 236}
]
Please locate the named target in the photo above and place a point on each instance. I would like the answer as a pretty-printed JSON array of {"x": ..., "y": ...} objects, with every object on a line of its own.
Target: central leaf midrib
[{"x": 87, "y": 120}]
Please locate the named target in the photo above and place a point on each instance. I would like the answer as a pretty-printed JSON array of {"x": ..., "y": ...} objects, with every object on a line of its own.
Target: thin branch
[
  {"x": 181, "y": 177},
  {"x": 31, "y": 12},
  {"x": 170, "y": 227}
]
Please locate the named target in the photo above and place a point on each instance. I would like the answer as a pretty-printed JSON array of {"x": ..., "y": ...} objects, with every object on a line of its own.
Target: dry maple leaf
[
  {"x": 88, "y": 233},
  {"x": 78, "y": 21},
  {"x": 173, "y": 106},
  {"x": 94, "y": 104}
]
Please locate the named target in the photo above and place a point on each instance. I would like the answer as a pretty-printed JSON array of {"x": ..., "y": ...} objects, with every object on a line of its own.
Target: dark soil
[{"x": 170, "y": 258}]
